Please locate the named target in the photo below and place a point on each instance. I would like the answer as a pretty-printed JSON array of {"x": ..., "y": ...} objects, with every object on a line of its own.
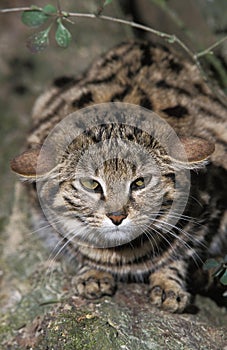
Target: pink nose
[{"x": 117, "y": 217}]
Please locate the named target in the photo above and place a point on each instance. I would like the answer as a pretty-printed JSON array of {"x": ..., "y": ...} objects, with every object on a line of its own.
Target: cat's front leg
[
  {"x": 168, "y": 288},
  {"x": 92, "y": 283}
]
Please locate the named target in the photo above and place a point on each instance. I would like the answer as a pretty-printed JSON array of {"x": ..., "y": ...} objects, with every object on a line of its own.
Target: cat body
[{"x": 115, "y": 209}]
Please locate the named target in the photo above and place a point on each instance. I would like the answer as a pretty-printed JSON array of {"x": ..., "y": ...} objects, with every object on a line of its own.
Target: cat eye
[
  {"x": 138, "y": 184},
  {"x": 91, "y": 185}
]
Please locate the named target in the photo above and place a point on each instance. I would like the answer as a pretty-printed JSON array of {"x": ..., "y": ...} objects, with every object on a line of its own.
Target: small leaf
[
  {"x": 50, "y": 9},
  {"x": 34, "y": 18},
  {"x": 38, "y": 41},
  {"x": 210, "y": 264},
  {"x": 107, "y": 2},
  {"x": 223, "y": 279},
  {"x": 63, "y": 36}
]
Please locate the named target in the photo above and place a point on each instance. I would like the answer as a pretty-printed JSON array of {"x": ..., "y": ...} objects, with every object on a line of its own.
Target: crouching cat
[{"x": 134, "y": 194}]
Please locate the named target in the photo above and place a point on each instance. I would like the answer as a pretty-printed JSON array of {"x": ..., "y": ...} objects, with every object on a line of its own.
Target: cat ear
[
  {"x": 25, "y": 164},
  {"x": 197, "y": 150}
]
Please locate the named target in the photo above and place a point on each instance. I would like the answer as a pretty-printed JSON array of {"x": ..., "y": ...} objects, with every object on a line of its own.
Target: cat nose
[{"x": 117, "y": 217}]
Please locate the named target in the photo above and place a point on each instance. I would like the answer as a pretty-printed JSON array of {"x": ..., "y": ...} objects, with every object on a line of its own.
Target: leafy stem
[
  {"x": 169, "y": 37},
  {"x": 34, "y": 16}
]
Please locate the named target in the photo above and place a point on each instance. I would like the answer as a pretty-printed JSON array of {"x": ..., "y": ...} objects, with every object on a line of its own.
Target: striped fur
[{"x": 153, "y": 77}]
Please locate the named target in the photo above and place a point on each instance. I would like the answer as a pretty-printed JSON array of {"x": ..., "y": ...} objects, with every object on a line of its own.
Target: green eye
[
  {"x": 138, "y": 184},
  {"x": 91, "y": 185}
]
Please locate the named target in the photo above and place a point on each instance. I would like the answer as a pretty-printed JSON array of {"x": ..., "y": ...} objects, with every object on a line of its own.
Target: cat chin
[
  {"x": 106, "y": 239},
  {"x": 117, "y": 236},
  {"x": 106, "y": 236}
]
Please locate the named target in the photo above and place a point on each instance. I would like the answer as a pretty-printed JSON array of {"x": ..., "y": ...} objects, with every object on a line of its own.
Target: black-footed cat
[{"x": 105, "y": 199}]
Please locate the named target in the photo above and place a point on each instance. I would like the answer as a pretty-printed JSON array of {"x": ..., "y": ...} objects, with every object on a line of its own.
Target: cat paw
[
  {"x": 93, "y": 284},
  {"x": 167, "y": 294}
]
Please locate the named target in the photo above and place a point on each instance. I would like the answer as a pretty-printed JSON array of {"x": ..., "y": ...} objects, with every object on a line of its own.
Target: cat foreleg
[
  {"x": 92, "y": 283},
  {"x": 168, "y": 288}
]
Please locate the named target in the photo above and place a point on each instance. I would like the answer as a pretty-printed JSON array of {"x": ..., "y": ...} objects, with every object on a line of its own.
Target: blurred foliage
[{"x": 219, "y": 269}]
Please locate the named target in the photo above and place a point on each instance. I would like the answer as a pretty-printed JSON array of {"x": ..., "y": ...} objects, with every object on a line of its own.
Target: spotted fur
[{"x": 153, "y": 77}]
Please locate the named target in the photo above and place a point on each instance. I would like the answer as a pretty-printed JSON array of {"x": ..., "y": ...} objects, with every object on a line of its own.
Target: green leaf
[
  {"x": 223, "y": 278},
  {"x": 50, "y": 9},
  {"x": 210, "y": 264},
  {"x": 38, "y": 41},
  {"x": 34, "y": 18},
  {"x": 63, "y": 36},
  {"x": 107, "y": 2}
]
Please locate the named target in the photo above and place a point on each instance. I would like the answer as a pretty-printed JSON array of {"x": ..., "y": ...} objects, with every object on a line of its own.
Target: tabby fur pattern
[{"x": 154, "y": 77}]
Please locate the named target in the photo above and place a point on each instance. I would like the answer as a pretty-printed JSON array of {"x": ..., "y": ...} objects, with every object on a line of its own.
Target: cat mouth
[
  {"x": 107, "y": 237},
  {"x": 119, "y": 235}
]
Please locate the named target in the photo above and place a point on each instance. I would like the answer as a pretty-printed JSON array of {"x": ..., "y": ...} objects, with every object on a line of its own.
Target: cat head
[{"x": 112, "y": 183}]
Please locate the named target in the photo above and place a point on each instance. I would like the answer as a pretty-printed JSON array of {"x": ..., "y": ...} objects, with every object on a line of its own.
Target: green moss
[{"x": 80, "y": 331}]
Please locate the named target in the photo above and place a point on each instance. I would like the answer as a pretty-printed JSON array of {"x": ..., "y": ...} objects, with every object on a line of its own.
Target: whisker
[
  {"x": 185, "y": 244},
  {"x": 185, "y": 233},
  {"x": 175, "y": 215},
  {"x": 163, "y": 223},
  {"x": 46, "y": 226},
  {"x": 165, "y": 239},
  {"x": 149, "y": 237},
  {"x": 195, "y": 200}
]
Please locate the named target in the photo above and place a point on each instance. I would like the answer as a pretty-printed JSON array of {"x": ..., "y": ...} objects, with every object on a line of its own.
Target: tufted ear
[
  {"x": 25, "y": 164},
  {"x": 197, "y": 151}
]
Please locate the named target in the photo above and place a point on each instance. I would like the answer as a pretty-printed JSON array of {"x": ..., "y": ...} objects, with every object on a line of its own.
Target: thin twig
[
  {"x": 210, "y": 48},
  {"x": 59, "y": 6},
  {"x": 171, "y": 38},
  {"x": 17, "y": 9}
]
